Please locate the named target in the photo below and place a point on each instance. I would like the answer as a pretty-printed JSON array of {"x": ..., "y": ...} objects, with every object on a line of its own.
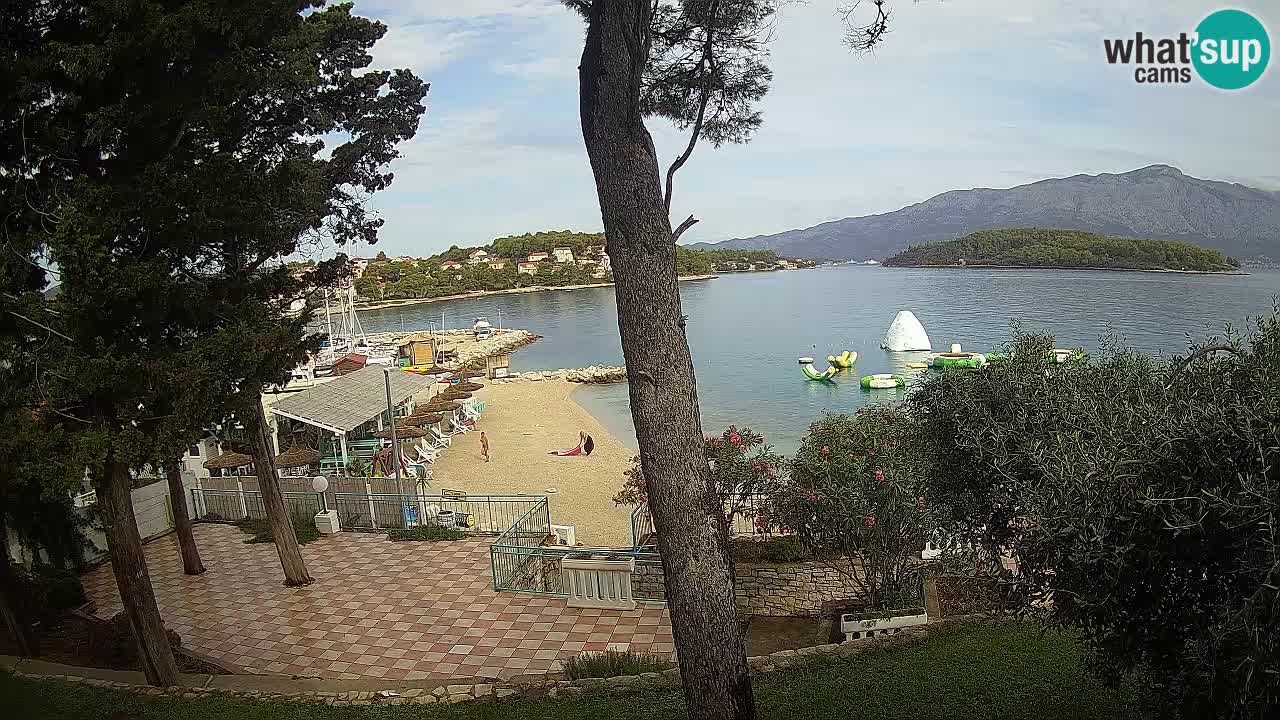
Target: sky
[{"x": 961, "y": 94}]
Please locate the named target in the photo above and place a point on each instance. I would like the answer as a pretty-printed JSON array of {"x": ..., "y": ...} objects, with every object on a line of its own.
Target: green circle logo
[{"x": 1232, "y": 49}]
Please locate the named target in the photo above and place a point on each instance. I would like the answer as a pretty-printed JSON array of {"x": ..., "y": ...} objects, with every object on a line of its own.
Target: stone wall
[{"x": 793, "y": 589}]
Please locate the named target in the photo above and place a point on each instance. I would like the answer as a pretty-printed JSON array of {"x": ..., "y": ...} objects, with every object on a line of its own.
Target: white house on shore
[
  {"x": 563, "y": 254},
  {"x": 477, "y": 257},
  {"x": 527, "y": 268},
  {"x": 537, "y": 257}
]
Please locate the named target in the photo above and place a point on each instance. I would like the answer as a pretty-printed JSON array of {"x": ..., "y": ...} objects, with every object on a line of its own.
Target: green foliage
[
  {"x": 612, "y": 663},
  {"x": 1139, "y": 495},
  {"x": 259, "y": 531},
  {"x": 693, "y": 262},
  {"x": 784, "y": 549},
  {"x": 111, "y": 644},
  {"x": 50, "y": 592},
  {"x": 425, "y": 533},
  {"x": 518, "y": 247},
  {"x": 1010, "y": 671},
  {"x": 1039, "y": 247},
  {"x": 396, "y": 280},
  {"x": 167, "y": 158},
  {"x": 679, "y": 72},
  {"x": 741, "y": 466},
  {"x": 855, "y": 491}
]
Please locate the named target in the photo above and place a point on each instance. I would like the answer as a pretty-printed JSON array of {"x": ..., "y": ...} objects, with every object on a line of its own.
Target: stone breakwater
[
  {"x": 596, "y": 374},
  {"x": 472, "y": 355}
]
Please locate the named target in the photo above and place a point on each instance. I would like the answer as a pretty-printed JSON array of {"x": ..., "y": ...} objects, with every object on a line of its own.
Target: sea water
[{"x": 746, "y": 330}]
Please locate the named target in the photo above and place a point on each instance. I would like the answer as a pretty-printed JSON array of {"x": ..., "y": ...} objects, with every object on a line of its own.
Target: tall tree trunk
[
  {"x": 115, "y": 505},
  {"x": 264, "y": 460},
  {"x": 664, "y": 399},
  {"x": 191, "y": 564},
  {"x": 13, "y": 606}
]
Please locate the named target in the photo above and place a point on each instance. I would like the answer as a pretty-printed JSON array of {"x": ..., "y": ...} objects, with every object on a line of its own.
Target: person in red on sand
[{"x": 584, "y": 447}]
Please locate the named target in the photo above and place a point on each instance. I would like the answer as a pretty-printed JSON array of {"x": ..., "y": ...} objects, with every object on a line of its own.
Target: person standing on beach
[{"x": 484, "y": 445}]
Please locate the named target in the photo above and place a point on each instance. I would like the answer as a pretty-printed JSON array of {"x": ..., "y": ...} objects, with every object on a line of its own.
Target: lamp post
[
  {"x": 395, "y": 444},
  {"x": 326, "y": 519}
]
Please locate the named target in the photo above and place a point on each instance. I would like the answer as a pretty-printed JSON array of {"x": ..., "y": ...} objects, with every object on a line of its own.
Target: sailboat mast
[{"x": 328, "y": 321}]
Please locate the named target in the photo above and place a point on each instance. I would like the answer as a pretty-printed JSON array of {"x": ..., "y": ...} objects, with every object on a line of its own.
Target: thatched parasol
[
  {"x": 228, "y": 460},
  {"x": 401, "y": 433},
  {"x": 441, "y": 405},
  {"x": 420, "y": 418},
  {"x": 297, "y": 457},
  {"x": 457, "y": 395},
  {"x": 467, "y": 386}
]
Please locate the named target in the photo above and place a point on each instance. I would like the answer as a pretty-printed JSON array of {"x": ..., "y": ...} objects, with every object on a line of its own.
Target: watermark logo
[{"x": 1229, "y": 50}]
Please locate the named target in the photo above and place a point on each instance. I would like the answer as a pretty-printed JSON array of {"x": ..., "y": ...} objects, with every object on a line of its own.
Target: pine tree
[{"x": 166, "y": 157}]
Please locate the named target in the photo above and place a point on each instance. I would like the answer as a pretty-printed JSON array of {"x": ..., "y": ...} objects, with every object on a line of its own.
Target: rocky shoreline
[{"x": 594, "y": 375}]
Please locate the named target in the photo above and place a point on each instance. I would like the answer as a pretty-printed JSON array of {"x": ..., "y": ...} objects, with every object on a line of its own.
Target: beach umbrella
[
  {"x": 441, "y": 405},
  {"x": 467, "y": 387},
  {"x": 421, "y": 418},
  {"x": 401, "y": 432},
  {"x": 228, "y": 460},
  {"x": 452, "y": 395},
  {"x": 297, "y": 457}
]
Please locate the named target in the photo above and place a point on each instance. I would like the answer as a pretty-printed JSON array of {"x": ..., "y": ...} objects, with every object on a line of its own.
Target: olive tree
[{"x": 1137, "y": 499}]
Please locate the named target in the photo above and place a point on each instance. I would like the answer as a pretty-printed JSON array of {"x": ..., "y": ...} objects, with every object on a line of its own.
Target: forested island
[
  {"x": 557, "y": 258},
  {"x": 1048, "y": 248}
]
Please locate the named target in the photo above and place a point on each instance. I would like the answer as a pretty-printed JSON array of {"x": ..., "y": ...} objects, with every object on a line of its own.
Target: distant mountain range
[{"x": 1158, "y": 202}]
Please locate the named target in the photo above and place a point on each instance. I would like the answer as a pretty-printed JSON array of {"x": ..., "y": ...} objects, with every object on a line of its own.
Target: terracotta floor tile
[{"x": 378, "y": 609}]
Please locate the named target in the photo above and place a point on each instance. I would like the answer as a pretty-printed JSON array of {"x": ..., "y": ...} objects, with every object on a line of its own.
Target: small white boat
[{"x": 482, "y": 329}]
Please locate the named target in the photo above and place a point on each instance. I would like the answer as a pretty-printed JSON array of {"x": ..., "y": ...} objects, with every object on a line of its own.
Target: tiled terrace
[{"x": 394, "y": 610}]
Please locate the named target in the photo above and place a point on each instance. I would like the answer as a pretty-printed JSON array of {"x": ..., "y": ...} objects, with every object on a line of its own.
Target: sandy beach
[{"x": 523, "y": 421}]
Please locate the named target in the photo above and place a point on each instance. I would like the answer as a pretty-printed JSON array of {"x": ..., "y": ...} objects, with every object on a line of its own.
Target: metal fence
[
  {"x": 234, "y": 505},
  {"x": 747, "y": 520},
  {"x": 522, "y": 562},
  {"x": 373, "y": 511},
  {"x": 474, "y": 513}
]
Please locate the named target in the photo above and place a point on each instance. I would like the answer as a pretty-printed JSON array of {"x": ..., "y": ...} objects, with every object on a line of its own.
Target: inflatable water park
[{"x": 906, "y": 334}]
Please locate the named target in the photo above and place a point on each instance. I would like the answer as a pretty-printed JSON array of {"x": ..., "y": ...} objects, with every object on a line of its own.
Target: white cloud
[
  {"x": 421, "y": 48},
  {"x": 963, "y": 93}
]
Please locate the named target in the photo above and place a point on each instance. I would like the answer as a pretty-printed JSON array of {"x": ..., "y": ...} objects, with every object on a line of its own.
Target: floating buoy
[
  {"x": 812, "y": 373},
  {"x": 905, "y": 334},
  {"x": 882, "y": 381},
  {"x": 844, "y": 360}
]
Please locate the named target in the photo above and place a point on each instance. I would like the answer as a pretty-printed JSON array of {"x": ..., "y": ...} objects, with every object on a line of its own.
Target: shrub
[
  {"x": 612, "y": 663},
  {"x": 741, "y": 463},
  {"x": 854, "y": 491},
  {"x": 425, "y": 533},
  {"x": 304, "y": 528},
  {"x": 50, "y": 592},
  {"x": 771, "y": 550},
  {"x": 111, "y": 643},
  {"x": 1137, "y": 499}
]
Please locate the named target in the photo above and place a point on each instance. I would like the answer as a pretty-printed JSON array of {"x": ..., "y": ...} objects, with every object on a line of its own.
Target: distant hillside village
[{"x": 545, "y": 259}]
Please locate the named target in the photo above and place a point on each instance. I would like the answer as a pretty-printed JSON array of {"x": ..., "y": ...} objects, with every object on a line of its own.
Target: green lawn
[{"x": 962, "y": 673}]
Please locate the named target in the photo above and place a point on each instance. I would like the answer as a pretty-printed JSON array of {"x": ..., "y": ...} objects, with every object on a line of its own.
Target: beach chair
[
  {"x": 471, "y": 412},
  {"x": 438, "y": 439},
  {"x": 458, "y": 427},
  {"x": 425, "y": 456}
]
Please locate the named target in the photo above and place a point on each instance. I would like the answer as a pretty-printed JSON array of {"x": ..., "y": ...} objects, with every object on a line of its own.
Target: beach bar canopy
[{"x": 345, "y": 403}]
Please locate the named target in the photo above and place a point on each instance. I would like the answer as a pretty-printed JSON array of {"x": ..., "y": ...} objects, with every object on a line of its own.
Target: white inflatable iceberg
[{"x": 906, "y": 334}]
